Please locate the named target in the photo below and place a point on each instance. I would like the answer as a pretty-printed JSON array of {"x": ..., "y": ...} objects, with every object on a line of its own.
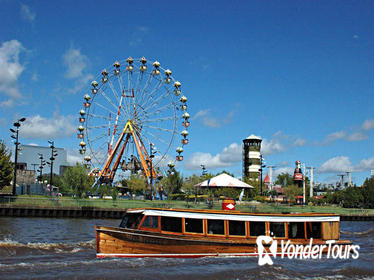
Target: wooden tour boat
[{"x": 184, "y": 233}]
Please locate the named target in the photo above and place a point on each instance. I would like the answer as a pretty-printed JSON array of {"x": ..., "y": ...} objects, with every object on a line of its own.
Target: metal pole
[
  {"x": 271, "y": 177},
  {"x": 15, "y": 164},
  {"x": 311, "y": 182},
  {"x": 304, "y": 196},
  {"x": 51, "y": 175},
  {"x": 150, "y": 161},
  {"x": 50, "y": 179},
  {"x": 261, "y": 174},
  {"x": 41, "y": 169}
]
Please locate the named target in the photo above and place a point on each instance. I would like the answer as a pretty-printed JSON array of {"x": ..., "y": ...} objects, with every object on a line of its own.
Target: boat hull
[{"x": 119, "y": 242}]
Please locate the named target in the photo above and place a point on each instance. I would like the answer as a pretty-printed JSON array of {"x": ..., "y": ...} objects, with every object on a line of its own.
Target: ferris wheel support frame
[{"x": 108, "y": 173}]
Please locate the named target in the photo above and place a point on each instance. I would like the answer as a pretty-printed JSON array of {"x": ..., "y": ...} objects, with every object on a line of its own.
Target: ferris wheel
[{"x": 134, "y": 117}]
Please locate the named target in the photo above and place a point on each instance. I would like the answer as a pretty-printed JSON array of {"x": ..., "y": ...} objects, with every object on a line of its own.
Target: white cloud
[
  {"x": 27, "y": 14},
  {"x": 358, "y": 133},
  {"x": 35, "y": 77},
  {"x": 229, "y": 156},
  {"x": 365, "y": 164},
  {"x": 299, "y": 142},
  {"x": 137, "y": 37},
  {"x": 280, "y": 170},
  {"x": 343, "y": 164},
  {"x": 81, "y": 83},
  {"x": 33, "y": 144},
  {"x": 232, "y": 154},
  {"x": 37, "y": 127},
  {"x": 357, "y": 136},
  {"x": 7, "y": 103},
  {"x": 213, "y": 122},
  {"x": 163, "y": 162},
  {"x": 3, "y": 121},
  {"x": 10, "y": 70},
  {"x": 273, "y": 146},
  {"x": 334, "y": 136},
  {"x": 73, "y": 156},
  {"x": 75, "y": 63},
  {"x": 368, "y": 125},
  {"x": 336, "y": 164}
]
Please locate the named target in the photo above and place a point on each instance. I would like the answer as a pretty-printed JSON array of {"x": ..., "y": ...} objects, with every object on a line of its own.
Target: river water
[{"x": 44, "y": 248}]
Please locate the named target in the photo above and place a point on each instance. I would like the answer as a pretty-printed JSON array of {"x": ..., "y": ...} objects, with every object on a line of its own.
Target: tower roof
[
  {"x": 253, "y": 137},
  {"x": 267, "y": 179}
]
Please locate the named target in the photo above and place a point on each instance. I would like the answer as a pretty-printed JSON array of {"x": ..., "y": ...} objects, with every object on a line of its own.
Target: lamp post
[
  {"x": 152, "y": 152},
  {"x": 304, "y": 175},
  {"x": 42, "y": 164},
  {"x": 17, "y": 125},
  {"x": 203, "y": 168},
  {"x": 171, "y": 166},
  {"x": 52, "y": 158},
  {"x": 262, "y": 165}
]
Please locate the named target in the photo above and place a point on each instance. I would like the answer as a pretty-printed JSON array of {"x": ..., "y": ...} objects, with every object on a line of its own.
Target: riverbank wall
[
  {"x": 101, "y": 213},
  {"x": 62, "y": 212}
]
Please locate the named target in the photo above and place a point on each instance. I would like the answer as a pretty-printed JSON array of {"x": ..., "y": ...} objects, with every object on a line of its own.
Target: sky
[{"x": 299, "y": 74}]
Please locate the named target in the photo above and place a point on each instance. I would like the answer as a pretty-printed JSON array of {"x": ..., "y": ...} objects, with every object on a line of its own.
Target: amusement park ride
[{"x": 148, "y": 105}]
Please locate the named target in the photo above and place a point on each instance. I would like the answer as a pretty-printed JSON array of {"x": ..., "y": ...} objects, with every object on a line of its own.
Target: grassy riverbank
[{"x": 62, "y": 202}]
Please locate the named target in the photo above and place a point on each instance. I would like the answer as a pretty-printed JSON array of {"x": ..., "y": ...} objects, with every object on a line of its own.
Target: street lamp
[
  {"x": 262, "y": 165},
  {"x": 171, "y": 166},
  {"x": 152, "y": 152},
  {"x": 204, "y": 172},
  {"x": 40, "y": 169},
  {"x": 52, "y": 158},
  {"x": 16, "y": 125}
]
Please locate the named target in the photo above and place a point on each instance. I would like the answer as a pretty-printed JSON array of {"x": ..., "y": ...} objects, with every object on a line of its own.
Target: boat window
[
  {"x": 216, "y": 227},
  {"x": 313, "y": 230},
  {"x": 171, "y": 224},
  {"x": 131, "y": 220},
  {"x": 277, "y": 230},
  {"x": 257, "y": 228},
  {"x": 236, "y": 228},
  {"x": 150, "y": 221},
  {"x": 296, "y": 230},
  {"x": 194, "y": 225}
]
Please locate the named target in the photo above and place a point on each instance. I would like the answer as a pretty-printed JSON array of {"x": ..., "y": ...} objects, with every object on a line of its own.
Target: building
[
  {"x": 251, "y": 157},
  {"x": 28, "y": 159}
]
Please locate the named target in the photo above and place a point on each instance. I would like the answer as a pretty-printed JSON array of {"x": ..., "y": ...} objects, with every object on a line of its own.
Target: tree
[
  {"x": 57, "y": 180},
  {"x": 173, "y": 182},
  {"x": 225, "y": 172},
  {"x": 352, "y": 198},
  {"x": 284, "y": 179},
  {"x": 368, "y": 193},
  {"x": 76, "y": 180},
  {"x": 292, "y": 191},
  {"x": 252, "y": 193},
  {"x": 189, "y": 184},
  {"x": 136, "y": 183},
  {"x": 6, "y": 166}
]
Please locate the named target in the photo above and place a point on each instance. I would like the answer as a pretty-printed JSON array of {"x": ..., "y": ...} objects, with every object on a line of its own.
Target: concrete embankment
[
  {"x": 62, "y": 212},
  {"x": 98, "y": 213}
]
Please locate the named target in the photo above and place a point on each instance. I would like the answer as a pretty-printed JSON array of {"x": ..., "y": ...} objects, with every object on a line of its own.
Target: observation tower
[{"x": 251, "y": 157}]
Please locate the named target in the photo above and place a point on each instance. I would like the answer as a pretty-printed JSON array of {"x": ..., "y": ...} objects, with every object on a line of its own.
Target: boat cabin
[{"x": 233, "y": 224}]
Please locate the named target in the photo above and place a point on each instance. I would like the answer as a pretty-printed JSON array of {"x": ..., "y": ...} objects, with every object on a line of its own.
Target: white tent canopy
[{"x": 224, "y": 180}]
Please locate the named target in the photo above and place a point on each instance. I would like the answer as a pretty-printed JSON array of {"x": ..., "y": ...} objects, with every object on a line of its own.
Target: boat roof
[{"x": 236, "y": 215}]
